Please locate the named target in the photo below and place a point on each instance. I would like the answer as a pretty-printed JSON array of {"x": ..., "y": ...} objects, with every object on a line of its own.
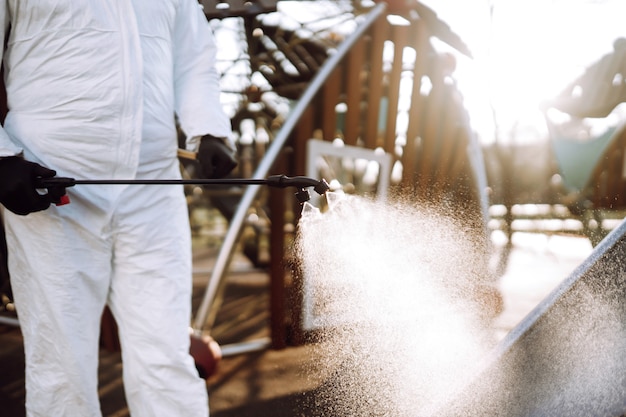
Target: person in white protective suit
[{"x": 93, "y": 88}]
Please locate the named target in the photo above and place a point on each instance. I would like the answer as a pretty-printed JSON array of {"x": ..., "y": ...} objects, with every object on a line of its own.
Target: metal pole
[{"x": 70, "y": 182}]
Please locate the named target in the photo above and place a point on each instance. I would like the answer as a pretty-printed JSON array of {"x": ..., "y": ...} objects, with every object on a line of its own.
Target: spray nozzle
[{"x": 282, "y": 181}]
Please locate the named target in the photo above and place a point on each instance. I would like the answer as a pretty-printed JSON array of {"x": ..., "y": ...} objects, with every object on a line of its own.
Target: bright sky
[{"x": 527, "y": 52}]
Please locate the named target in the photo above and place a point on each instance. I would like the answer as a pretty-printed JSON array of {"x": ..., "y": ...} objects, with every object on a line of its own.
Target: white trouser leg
[
  {"x": 151, "y": 300},
  {"x": 60, "y": 273}
]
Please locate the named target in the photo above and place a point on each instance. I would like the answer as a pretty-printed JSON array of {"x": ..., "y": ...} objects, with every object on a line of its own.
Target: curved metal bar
[{"x": 202, "y": 319}]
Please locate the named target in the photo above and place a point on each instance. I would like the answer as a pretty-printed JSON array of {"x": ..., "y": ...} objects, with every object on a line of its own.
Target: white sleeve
[
  {"x": 7, "y": 147},
  {"x": 196, "y": 81}
]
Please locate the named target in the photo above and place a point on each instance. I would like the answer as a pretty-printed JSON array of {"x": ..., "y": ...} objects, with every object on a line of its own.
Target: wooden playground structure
[
  {"x": 379, "y": 74},
  {"x": 381, "y": 86},
  {"x": 385, "y": 87},
  {"x": 310, "y": 98}
]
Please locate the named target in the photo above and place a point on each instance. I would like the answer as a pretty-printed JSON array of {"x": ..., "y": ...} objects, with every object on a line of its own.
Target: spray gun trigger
[
  {"x": 56, "y": 188},
  {"x": 303, "y": 195},
  {"x": 63, "y": 200}
]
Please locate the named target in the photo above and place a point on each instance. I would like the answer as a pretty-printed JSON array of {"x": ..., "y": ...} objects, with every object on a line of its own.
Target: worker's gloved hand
[
  {"x": 18, "y": 190},
  {"x": 215, "y": 157}
]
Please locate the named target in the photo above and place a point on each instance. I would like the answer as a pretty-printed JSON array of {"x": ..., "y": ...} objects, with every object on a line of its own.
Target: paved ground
[{"x": 293, "y": 381}]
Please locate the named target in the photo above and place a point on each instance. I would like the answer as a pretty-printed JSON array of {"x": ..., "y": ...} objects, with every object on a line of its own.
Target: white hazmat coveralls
[{"x": 92, "y": 88}]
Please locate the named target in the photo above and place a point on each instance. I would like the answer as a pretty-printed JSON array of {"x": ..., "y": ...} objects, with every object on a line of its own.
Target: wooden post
[{"x": 277, "y": 269}]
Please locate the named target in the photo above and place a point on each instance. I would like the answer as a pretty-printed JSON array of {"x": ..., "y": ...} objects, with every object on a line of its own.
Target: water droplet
[
  {"x": 378, "y": 278},
  {"x": 309, "y": 210},
  {"x": 333, "y": 198}
]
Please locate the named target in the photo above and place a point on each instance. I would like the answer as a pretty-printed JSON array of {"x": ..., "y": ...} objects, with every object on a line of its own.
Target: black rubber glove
[
  {"x": 18, "y": 191},
  {"x": 215, "y": 157}
]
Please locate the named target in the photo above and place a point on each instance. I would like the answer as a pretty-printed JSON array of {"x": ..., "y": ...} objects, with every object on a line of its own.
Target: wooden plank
[
  {"x": 433, "y": 115},
  {"x": 420, "y": 67},
  {"x": 399, "y": 37},
  {"x": 285, "y": 47},
  {"x": 304, "y": 132},
  {"x": 410, "y": 158},
  {"x": 276, "y": 203},
  {"x": 354, "y": 91},
  {"x": 215, "y": 9},
  {"x": 329, "y": 99},
  {"x": 409, "y": 162},
  {"x": 209, "y": 7},
  {"x": 372, "y": 136},
  {"x": 458, "y": 163},
  {"x": 447, "y": 145},
  {"x": 308, "y": 59}
]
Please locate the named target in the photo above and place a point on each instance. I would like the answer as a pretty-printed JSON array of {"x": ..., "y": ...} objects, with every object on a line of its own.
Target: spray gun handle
[
  {"x": 56, "y": 187},
  {"x": 58, "y": 182},
  {"x": 185, "y": 154}
]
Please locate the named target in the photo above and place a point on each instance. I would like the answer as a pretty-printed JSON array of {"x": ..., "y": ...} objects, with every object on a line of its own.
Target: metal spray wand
[{"x": 278, "y": 181}]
